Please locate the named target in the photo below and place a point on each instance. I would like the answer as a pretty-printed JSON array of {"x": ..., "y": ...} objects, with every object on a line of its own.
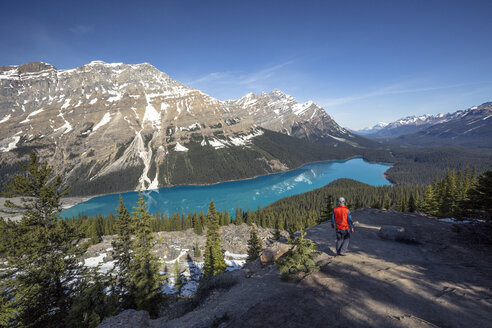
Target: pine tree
[
  {"x": 122, "y": 245},
  {"x": 276, "y": 234},
  {"x": 94, "y": 235},
  {"x": 431, "y": 205},
  {"x": 177, "y": 276},
  {"x": 480, "y": 196},
  {"x": 300, "y": 259},
  {"x": 144, "y": 272},
  {"x": 214, "y": 262},
  {"x": 92, "y": 304},
  {"x": 197, "y": 224},
  {"x": 196, "y": 252},
  {"x": 238, "y": 219},
  {"x": 448, "y": 203},
  {"x": 42, "y": 252},
  {"x": 255, "y": 245},
  {"x": 327, "y": 210},
  {"x": 412, "y": 206}
]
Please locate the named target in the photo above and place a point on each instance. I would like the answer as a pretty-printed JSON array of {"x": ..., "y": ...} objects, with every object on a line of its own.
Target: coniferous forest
[{"x": 44, "y": 284}]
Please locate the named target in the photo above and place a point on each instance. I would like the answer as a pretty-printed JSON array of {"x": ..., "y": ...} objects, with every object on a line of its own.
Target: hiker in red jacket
[{"x": 342, "y": 219}]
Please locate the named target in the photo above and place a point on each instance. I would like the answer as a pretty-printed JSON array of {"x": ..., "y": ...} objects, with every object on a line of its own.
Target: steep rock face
[
  {"x": 280, "y": 112},
  {"x": 126, "y": 127}
]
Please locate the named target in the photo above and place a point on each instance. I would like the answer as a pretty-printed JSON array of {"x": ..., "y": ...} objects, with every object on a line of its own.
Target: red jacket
[{"x": 341, "y": 214}]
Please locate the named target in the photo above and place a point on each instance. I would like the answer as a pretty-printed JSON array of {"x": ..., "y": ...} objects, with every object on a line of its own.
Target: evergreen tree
[
  {"x": 178, "y": 278},
  {"x": 144, "y": 271},
  {"x": 300, "y": 259},
  {"x": 480, "y": 196},
  {"x": 92, "y": 304},
  {"x": 197, "y": 224},
  {"x": 449, "y": 195},
  {"x": 327, "y": 210},
  {"x": 276, "y": 234},
  {"x": 412, "y": 206},
  {"x": 94, "y": 235},
  {"x": 42, "y": 253},
  {"x": 238, "y": 219},
  {"x": 214, "y": 262},
  {"x": 196, "y": 252},
  {"x": 122, "y": 254},
  {"x": 255, "y": 245},
  {"x": 431, "y": 205}
]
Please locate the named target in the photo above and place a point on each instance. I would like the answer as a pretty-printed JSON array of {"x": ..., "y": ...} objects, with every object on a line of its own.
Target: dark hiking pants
[{"x": 343, "y": 240}]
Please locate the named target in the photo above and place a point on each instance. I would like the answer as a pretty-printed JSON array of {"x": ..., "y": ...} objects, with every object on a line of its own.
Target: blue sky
[{"x": 363, "y": 61}]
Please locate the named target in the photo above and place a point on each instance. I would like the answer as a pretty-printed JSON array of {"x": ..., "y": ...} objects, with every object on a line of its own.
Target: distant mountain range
[
  {"x": 109, "y": 127},
  {"x": 471, "y": 128}
]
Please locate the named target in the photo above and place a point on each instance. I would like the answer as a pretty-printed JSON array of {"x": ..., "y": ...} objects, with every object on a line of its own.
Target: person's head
[{"x": 341, "y": 201}]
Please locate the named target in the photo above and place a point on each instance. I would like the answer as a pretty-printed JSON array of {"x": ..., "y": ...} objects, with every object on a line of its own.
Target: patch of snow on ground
[
  {"x": 233, "y": 265},
  {"x": 216, "y": 143},
  {"x": 93, "y": 262},
  {"x": 204, "y": 142},
  {"x": 236, "y": 256},
  {"x": 5, "y": 119},
  {"x": 66, "y": 104},
  {"x": 115, "y": 96},
  {"x": 339, "y": 139},
  {"x": 10, "y": 144},
  {"x": 245, "y": 140},
  {"x": 299, "y": 109},
  {"x": 183, "y": 252},
  {"x": 105, "y": 120},
  {"x": 93, "y": 101},
  {"x": 193, "y": 126},
  {"x": 453, "y": 220},
  {"x": 105, "y": 267},
  {"x": 151, "y": 113},
  {"x": 189, "y": 288},
  {"x": 179, "y": 147}
]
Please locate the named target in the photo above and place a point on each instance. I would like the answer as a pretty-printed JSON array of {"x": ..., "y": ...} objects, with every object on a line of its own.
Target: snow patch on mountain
[
  {"x": 10, "y": 144},
  {"x": 5, "y": 118},
  {"x": 180, "y": 147},
  {"x": 105, "y": 120}
]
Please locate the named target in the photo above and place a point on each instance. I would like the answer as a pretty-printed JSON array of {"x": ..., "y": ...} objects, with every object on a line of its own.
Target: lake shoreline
[
  {"x": 174, "y": 196},
  {"x": 73, "y": 199}
]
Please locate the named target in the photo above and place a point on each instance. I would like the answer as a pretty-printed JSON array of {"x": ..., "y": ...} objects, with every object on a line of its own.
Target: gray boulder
[{"x": 391, "y": 232}]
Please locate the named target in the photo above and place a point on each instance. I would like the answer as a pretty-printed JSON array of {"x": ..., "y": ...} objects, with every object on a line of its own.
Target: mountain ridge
[
  {"x": 115, "y": 120},
  {"x": 410, "y": 125}
]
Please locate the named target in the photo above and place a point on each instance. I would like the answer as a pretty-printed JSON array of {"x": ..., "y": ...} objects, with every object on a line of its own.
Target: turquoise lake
[{"x": 262, "y": 191}]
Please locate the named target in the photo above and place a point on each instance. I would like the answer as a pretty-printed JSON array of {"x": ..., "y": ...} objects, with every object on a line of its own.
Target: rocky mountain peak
[{"x": 103, "y": 118}]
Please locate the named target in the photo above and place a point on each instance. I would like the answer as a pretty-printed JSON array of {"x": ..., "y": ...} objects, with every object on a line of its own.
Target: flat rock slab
[{"x": 391, "y": 232}]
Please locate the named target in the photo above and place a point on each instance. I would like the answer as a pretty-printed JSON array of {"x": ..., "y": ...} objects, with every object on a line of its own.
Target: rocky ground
[
  {"x": 430, "y": 278},
  {"x": 179, "y": 246}
]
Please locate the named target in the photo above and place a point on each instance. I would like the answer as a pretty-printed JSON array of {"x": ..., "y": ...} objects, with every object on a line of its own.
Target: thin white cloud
[
  {"x": 390, "y": 90},
  {"x": 238, "y": 78}
]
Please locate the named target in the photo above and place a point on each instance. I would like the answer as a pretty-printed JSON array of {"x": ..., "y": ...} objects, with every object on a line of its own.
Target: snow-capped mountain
[
  {"x": 371, "y": 129},
  {"x": 136, "y": 125},
  {"x": 413, "y": 124},
  {"x": 280, "y": 112},
  {"x": 470, "y": 128}
]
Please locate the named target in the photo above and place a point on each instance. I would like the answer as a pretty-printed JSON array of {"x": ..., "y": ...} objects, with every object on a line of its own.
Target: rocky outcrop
[
  {"x": 442, "y": 282},
  {"x": 270, "y": 254}
]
